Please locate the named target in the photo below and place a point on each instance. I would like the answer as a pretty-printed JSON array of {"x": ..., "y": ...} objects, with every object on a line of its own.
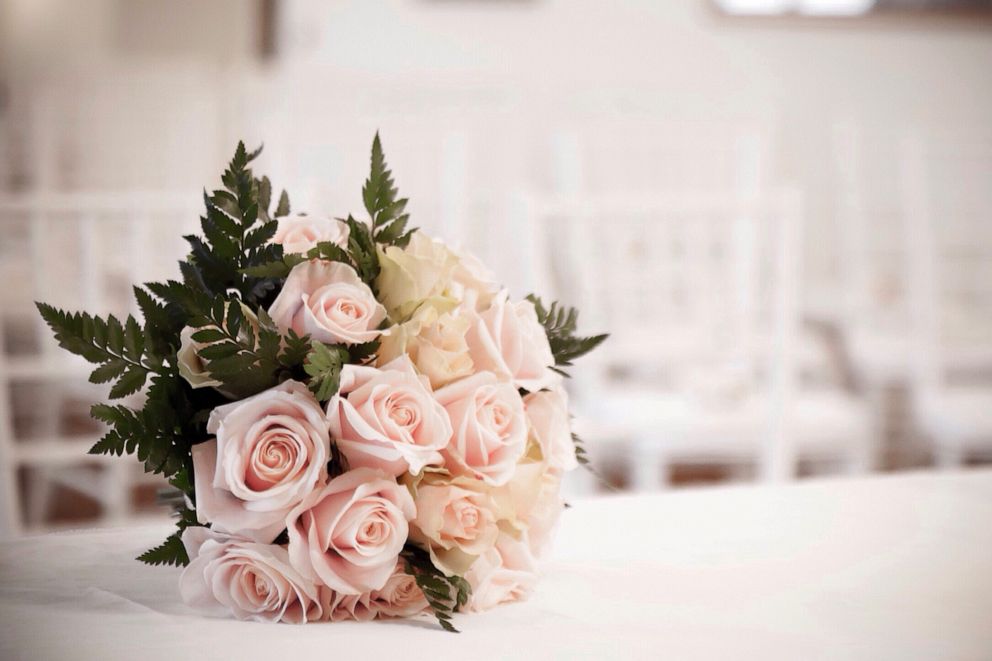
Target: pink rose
[
  {"x": 387, "y": 418},
  {"x": 270, "y": 451},
  {"x": 399, "y": 597},
  {"x": 490, "y": 429},
  {"x": 298, "y": 234},
  {"x": 456, "y": 521},
  {"x": 329, "y": 302},
  {"x": 252, "y": 581},
  {"x": 508, "y": 339},
  {"x": 503, "y": 574},
  {"x": 547, "y": 412},
  {"x": 349, "y": 534}
]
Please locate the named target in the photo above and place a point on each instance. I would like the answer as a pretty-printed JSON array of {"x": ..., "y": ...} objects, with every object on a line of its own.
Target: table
[{"x": 886, "y": 567}]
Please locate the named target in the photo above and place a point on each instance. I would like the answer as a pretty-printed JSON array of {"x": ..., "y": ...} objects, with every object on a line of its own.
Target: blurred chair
[
  {"x": 947, "y": 199},
  {"x": 78, "y": 251},
  {"x": 699, "y": 292}
]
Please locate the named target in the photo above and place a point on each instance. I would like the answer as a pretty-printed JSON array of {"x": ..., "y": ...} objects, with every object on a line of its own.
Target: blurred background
[{"x": 780, "y": 209}]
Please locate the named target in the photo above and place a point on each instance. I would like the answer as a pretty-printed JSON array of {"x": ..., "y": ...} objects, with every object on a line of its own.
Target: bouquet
[{"x": 361, "y": 421}]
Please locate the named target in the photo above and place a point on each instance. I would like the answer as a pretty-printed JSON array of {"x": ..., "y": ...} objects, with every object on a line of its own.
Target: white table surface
[{"x": 889, "y": 567}]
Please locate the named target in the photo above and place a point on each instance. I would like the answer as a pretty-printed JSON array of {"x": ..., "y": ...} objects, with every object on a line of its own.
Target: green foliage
[
  {"x": 560, "y": 324},
  {"x": 360, "y": 255},
  {"x": 445, "y": 594},
  {"x": 386, "y": 210},
  {"x": 324, "y": 362},
  {"x": 236, "y": 229},
  {"x": 172, "y": 551},
  {"x": 580, "y": 450},
  {"x": 118, "y": 349},
  {"x": 159, "y": 434}
]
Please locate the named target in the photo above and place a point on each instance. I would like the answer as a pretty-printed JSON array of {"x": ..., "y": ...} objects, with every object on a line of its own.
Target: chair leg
[
  {"x": 949, "y": 457},
  {"x": 648, "y": 463}
]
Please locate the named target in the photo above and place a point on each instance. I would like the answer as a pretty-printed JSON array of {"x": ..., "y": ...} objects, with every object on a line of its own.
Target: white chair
[
  {"x": 948, "y": 207},
  {"x": 80, "y": 252},
  {"x": 700, "y": 294}
]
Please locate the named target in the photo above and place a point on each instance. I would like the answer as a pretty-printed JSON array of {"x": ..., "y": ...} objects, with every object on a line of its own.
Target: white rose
[
  {"x": 252, "y": 581},
  {"x": 329, "y": 302},
  {"x": 270, "y": 451},
  {"x": 434, "y": 341},
  {"x": 507, "y": 339},
  {"x": 473, "y": 283},
  {"x": 192, "y": 367},
  {"x": 410, "y": 276},
  {"x": 490, "y": 428},
  {"x": 300, "y": 233}
]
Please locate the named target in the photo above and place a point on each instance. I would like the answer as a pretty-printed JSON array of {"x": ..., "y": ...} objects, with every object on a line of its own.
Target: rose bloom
[
  {"x": 547, "y": 412},
  {"x": 300, "y": 233},
  {"x": 410, "y": 276},
  {"x": 329, "y": 302},
  {"x": 387, "y": 418},
  {"x": 348, "y": 535},
  {"x": 505, "y": 573},
  {"x": 270, "y": 451},
  {"x": 194, "y": 369},
  {"x": 508, "y": 339},
  {"x": 456, "y": 520},
  {"x": 490, "y": 429},
  {"x": 472, "y": 282},
  {"x": 252, "y": 581},
  {"x": 434, "y": 341},
  {"x": 399, "y": 597}
]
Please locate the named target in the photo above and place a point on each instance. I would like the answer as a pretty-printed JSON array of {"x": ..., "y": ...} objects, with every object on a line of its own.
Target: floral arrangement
[{"x": 361, "y": 421}]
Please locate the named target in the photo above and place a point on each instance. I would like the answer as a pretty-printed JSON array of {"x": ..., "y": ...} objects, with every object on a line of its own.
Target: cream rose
[
  {"x": 490, "y": 428},
  {"x": 386, "y": 418},
  {"x": 348, "y": 535},
  {"x": 503, "y": 574},
  {"x": 410, "y": 276},
  {"x": 507, "y": 339},
  {"x": 456, "y": 521},
  {"x": 192, "y": 367},
  {"x": 270, "y": 451},
  {"x": 329, "y": 302},
  {"x": 547, "y": 413},
  {"x": 544, "y": 514},
  {"x": 252, "y": 581},
  {"x": 435, "y": 342},
  {"x": 299, "y": 233},
  {"x": 475, "y": 284}
]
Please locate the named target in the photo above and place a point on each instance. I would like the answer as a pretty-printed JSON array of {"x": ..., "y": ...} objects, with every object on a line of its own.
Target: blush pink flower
[
  {"x": 547, "y": 413},
  {"x": 490, "y": 429},
  {"x": 252, "y": 581},
  {"x": 504, "y": 574},
  {"x": 387, "y": 418},
  {"x": 270, "y": 451},
  {"x": 299, "y": 233},
  {"x": 508, "y": 340},
  {"x": 329, "y": 302},
  {"x": 399, "y": 597},
  {"x": 348, "y": 535}
]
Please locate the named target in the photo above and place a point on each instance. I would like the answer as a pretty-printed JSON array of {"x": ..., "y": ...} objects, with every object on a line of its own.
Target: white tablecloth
[{"x": 893, "y": 567}]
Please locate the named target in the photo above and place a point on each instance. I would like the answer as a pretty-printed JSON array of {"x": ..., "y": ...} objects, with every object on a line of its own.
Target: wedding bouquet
[{"x": 361, "y": 421}]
